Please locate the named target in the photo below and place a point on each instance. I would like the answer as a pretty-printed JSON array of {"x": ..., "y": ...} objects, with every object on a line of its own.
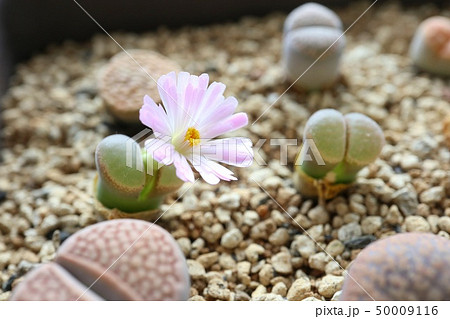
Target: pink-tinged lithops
[
  {"x": 123, "y": 82},
  {"x": 117, "y": 260},
  {"x": 410, "y": 267},
  {"x": 313, "y": 43},
  {"x": 335, "y": 148},
  {"x": 430, "y": 47}
]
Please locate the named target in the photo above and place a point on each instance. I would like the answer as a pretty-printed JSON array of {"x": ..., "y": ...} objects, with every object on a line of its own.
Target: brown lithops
[
  {"x": 410, "y": 267},
  {"x": 123, "y": 83},
  {"x": 115, "y": 260}
]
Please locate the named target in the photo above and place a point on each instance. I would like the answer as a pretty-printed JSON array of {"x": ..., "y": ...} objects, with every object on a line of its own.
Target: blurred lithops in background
[
  {"x": 122, "y": 260},
  {"x": 430, "y": 47},
  {"x": 335, "y": 148},
  {"x": 312, "y": 31},
  {"x": 123, "y": 83},
  {"x": 130, "y": 183},
  {"x": 410, "y": 267}
]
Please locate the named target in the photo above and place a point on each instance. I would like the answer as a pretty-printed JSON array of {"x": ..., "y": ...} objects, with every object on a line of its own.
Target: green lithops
[
  {"x": 335, "y": 148},
  {"x": 130, "y": 183}
]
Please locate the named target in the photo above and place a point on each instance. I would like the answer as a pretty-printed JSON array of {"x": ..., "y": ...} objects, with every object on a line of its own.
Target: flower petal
[
  {"x": 236, "y": 151},
  {"x": 229, "y": 124},
  {"x": 222, "y": 111},
  {"x": 160, "y": 150},
  {"x": 167, "y": 88},
  {"x": 154, "y": 117},
  {"x": 183, "y": 169}
]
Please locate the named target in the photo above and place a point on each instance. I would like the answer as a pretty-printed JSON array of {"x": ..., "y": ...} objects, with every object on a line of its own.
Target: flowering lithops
[
  {"x": 114, "y": 260},
  {"x": 130, "y": 183},
  {"x": 430, "y": 47},
  {"x": 410, "y": 266},
  {"x": 185, "y": 130},
  {"x": 312, "y": 32},
  {"x": 335, "y": 147},
  {"x": 123, "y": 83}
]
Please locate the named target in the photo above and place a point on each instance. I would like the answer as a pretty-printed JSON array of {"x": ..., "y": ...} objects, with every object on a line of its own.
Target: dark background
[{"x": 27, "y": 26}]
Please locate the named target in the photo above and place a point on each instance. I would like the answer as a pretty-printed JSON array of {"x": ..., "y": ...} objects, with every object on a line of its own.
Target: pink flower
[{"x": 194, "y": 114}]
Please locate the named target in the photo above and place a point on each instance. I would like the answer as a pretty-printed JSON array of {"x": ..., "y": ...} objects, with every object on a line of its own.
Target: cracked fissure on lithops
[
  {"x": 152, "y": 266},
  {"x": 345, "y": 144},
  {"x": 409, "y": 267},
  {"x": 124, "y": 182}
]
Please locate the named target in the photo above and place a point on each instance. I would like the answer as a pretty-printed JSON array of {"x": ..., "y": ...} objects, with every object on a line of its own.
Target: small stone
[
  {"x": 360, "y": 242},
  {"x": 280, "y": 289},
  {"x": 318, "y": 261},
  {"x": 185, "y": 245},
  {"x": 406, "y": 200},
  {"x": 409, "y": 162},
  {"x": 432, "y": 195},
  {"x": 223, "y": 215},
  {"x": 394, "y": 217},
  {"x": 333, "y": 268},
  {"x": 213, "y": 233},
  {"x": 318, "y": 215},
  {"x": 253, "y": 251},
  {"x": 281, "y": 262},
  {"x": 304, "y": 246},
  {"x": 443, "y": 223},
  {"x": 259, "y": 291},
  {"x": 190, "y": 202},
  {"x": 230, "y": 200},
  {"x": 226, "y": 261},
  {"x": 250, "y": 218},
  {"x": 329, "y": 285},
  {"x": 336, "y": 295},
  {"x": 335, "y": 248},
  {"x": 266, "y": 274},
  {"x": 416, "y": 224},
  {"x": 232, "y": 238},
  {"x": 243, "y": 267},
  {"x": 279, "y": 237},
  {"x": 217, "y": 291},
  {"x": 349, "y": 231},
  {"x": 300, "y": 289},
  {"x": 196, "y": 269},
  {"x": 5, "y": 258},
  {"x": 207, "y": 260},
  {"x": 241, "y": 296},
  {"x": 49, "y": 223},
  {"x": 371, "y": 224}
]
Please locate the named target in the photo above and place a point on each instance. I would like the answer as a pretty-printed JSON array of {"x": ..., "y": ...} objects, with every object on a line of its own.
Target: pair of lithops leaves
[
  {"x": 130, "y": 183},
  {"x": 313, "y": 42},
  {"x": 335, "y": 148},
  {"x": 408, "y": 267},
  {"x": 430, "y": 47},
  {"x": 123, "y": 259}
]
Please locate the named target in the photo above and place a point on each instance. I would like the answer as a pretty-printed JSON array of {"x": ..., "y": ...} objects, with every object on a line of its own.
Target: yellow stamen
[{"x": 192, "y": 136}]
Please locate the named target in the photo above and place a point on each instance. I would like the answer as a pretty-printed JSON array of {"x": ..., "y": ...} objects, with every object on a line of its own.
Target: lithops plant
[
  {"x": 123, "y": 83},
  {"x": 410, "y": 267},
  {"x": 114, "y": 260},
  {"x": 335, "y": 148},
  {"x": 312, "y": 32},
  {"x": 430, "y": 47},
  {"x": 130, "y": 183}
]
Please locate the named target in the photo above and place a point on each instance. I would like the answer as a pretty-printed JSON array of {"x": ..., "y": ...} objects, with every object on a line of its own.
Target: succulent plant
[
  {"x": 123, "y": 83},
  {"x": 410, "y": 267},
  {"x": 430, "y": 47},
  {"x": 117, "y": 260},
  {"x": 312, "y": 32},
  {"x": 129, "y": 180},
  {"x": 340, "y": 146}
]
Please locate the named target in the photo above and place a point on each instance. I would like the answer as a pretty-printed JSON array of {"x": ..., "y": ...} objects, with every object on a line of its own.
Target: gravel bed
[{"x": 239, "y": 239}]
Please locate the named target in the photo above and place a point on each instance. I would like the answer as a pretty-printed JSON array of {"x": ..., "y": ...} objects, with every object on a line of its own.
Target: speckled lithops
[
  {"x": 340, "y": 146},
  {"x": 130, "y": 183},
  {"x": 123, "y": 83},
  {"x": 411, "y": 266},
  {"x": 430, "y": 47},
  {"x": 313, "y": 43},
  {"x": 117, "y": 260}
]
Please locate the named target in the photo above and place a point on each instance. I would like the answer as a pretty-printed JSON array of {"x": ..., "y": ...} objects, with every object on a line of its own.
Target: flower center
[{"x": 192, "y": 136}]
